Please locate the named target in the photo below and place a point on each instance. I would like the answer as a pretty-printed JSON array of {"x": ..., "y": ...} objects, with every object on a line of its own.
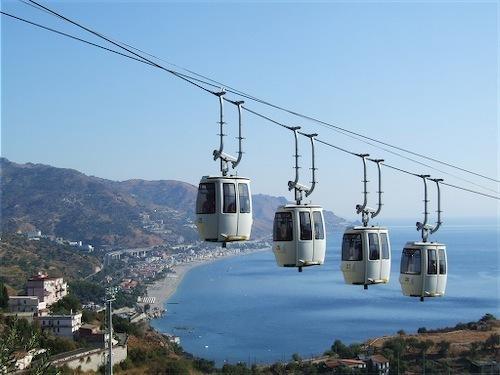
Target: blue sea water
[{"x": 248, "y": 309}]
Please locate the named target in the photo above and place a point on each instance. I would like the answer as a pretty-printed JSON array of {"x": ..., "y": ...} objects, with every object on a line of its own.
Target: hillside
[
  {"x": 22, "y": 259},
  {"x": 133, "y": 213}
]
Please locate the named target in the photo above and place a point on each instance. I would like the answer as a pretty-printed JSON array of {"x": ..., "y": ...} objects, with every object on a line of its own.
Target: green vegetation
[
  {"x": 18, "y": 336},
  {"x": 22, "y": 259},
  {"x": 66, "y": 305},
  {"x": 4, "y": 296}
]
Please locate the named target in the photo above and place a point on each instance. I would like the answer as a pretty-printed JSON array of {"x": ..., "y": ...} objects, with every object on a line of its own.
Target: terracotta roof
[{"x": 379, "y": 358}]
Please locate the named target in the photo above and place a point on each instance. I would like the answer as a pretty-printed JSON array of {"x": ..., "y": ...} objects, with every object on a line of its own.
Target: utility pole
[{"x": 110, "y": 297}]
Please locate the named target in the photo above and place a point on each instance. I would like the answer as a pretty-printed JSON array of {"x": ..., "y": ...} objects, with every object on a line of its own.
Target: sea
[{"x": 247, "y": 309}]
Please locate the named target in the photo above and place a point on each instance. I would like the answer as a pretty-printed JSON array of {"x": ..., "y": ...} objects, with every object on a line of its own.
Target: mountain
[{"x": 69, "y": 204}]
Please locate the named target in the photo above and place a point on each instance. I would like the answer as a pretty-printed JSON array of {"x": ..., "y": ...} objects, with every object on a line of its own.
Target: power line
[
  {"x": 287, "y": 110},
  {"x": 139, "y": 58}
]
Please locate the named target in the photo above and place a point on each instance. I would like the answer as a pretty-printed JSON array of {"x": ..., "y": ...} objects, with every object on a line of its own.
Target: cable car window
[
  {"x": 229, "y": 198},
  {"x": 374, "y": 246},
  {"x": 442, "y": 262},
  {"x": 410, "y": 261},
  {"x": 319, "y": 234},
  {"x": 205, "y": 201},
  {"x": 384, "y": 244},
  {"x": 244, "y": 198},
  {"x": 352, "y": 248},
  {"x": 305, "y": 226},
  {"x": 283, "y": 226},
  {"x": 432, "y": 262}
]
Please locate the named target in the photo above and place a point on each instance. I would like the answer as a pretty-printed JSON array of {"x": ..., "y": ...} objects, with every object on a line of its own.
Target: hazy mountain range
[{"x": 69, "y": 204}]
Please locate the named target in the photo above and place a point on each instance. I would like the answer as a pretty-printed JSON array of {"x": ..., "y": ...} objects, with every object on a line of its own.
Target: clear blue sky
[{"x": 422, "y": 75}]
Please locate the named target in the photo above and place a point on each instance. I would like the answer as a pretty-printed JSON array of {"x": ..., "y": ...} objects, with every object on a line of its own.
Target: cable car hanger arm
[{"x": 439, "y": 222}]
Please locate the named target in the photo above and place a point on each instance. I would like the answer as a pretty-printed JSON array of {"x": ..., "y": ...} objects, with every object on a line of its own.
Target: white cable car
[
  {"x": 224, "y": 209},
  {"x": 423, "y": 269},
  {"x": 366, "y": 256},
  {"x": 424, "y": 265},
  {"x": 224, "y": 203},
  {"x": 299, "y": 237},
  {"x": 366, "y": 251}
]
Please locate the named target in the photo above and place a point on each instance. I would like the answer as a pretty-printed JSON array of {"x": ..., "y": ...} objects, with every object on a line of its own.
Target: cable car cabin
[
  {"x": 423, "y": 269},
  {"x": 366, "y": 256},
  {"x": 224, "y": 209},
  {"x": 299, "y": 238}
]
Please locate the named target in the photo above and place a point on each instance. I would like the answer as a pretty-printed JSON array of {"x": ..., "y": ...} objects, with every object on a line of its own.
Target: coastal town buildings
[
  {"x": 47, "y": 289},
  {"x": 31, "y": 304},
  {"x": 61, "y": 325}
]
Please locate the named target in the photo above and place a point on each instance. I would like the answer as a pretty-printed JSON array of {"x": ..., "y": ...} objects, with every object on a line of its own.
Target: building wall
[
  {"x": 26, "y": 304},
  {"x": 49, "y": 290},
  {"x": 61, "y": 325},
  {"x": 93, "y": 359}
]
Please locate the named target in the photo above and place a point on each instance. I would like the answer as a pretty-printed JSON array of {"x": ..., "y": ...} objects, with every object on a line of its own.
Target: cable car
[
  {"x": 366, "y": 255},
  {"x": 424, "y": 265},
  {"x": 299, "y": 237},
  {"x": 224, "y": 209},
  {"x": 423, "y": 269},
  {"x": 366, "y": 251},
  {"x": 223, "y": 203}
]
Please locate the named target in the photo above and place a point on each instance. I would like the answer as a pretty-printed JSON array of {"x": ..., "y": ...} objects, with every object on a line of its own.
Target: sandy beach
[{"x": 163, "y": 289}]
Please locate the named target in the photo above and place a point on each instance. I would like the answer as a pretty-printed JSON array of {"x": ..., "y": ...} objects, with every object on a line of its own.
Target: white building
[
  {"x": 47, "y": 289},
  {"x": 22, "y": 304},
  {"x": 61, "y": 325}
]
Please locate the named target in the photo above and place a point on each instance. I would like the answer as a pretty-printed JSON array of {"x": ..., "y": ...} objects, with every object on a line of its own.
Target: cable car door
[
  {"x": 431, "y": 274},
  {"x": 305, "y": 245},
  {"x": 442, "y": 270},
  {"x": 319, "y": 247},
  {"x": 244, "y": 222},
  {"x": 373, "y": 266},
  {"x": 228, "y": 223},
  {"x": 385, "y": 247}
]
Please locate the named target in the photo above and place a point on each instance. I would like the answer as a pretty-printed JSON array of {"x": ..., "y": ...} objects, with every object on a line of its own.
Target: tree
[
  {"x": 444, "y": 348},
  {"x": 488, "y": 317},
  {"x": 66, "y": 305},
  {"x": 4, "y": 296},
  {"x": 474, "y": 349},
  {"x": 296, "y": 357},
  {"x": 492, "y": 342},
  {"x": 401, "y": 332}
]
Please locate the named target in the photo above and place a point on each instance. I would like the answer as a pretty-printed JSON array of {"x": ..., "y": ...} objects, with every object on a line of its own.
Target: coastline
[{"x": 163, "y": 289}]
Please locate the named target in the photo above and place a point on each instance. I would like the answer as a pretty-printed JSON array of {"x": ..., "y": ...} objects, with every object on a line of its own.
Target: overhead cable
[
  {"x": 141, "y": 59},
  {"x": 265, "y": 102}
]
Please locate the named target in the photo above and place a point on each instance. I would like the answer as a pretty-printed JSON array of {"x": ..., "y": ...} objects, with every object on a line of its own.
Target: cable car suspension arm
[
  {"x": 361, "y": 208},
  {"x": 424, "y": 227},
  {"x": 439, "y": 222},
  {"x": 379, "y": 207},
  {"x": 220, "y": 154}
]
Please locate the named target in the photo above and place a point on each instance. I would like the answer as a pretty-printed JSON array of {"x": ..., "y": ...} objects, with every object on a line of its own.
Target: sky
[{"x": 420, "y": 75}]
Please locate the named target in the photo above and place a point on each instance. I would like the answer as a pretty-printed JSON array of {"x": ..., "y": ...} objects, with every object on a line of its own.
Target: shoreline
[{"x": 165, "y": 288}]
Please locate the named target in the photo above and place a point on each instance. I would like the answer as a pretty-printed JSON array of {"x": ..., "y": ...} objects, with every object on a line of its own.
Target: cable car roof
[{"x": 224, "y": 178}]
